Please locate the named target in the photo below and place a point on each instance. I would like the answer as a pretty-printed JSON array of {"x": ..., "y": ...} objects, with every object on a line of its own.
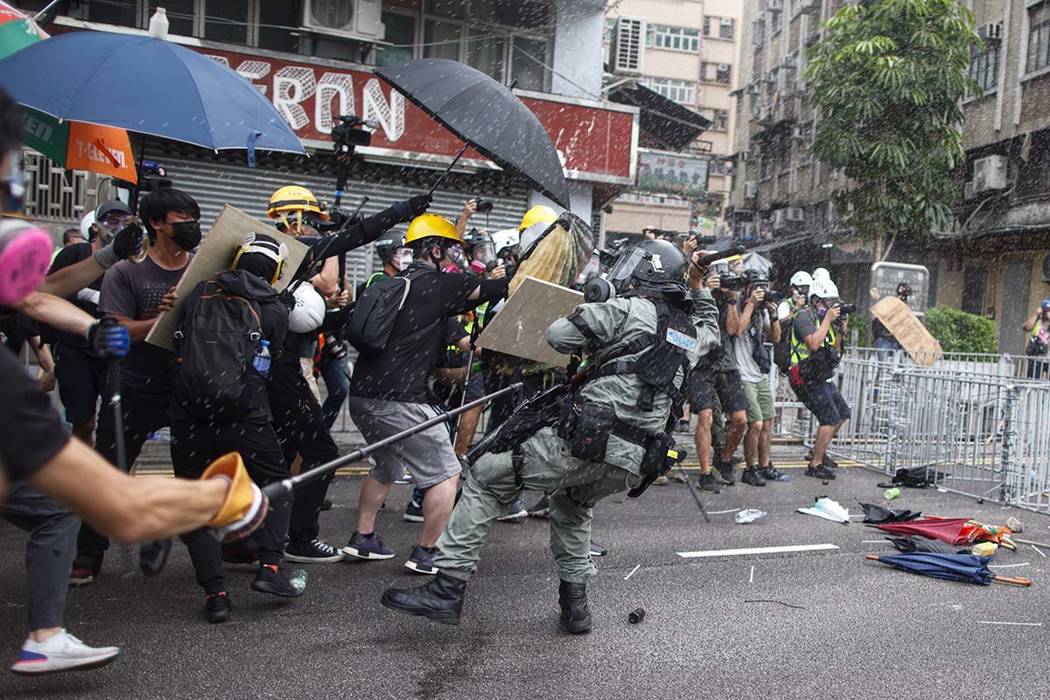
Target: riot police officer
[{"x": 640, "y": 348}]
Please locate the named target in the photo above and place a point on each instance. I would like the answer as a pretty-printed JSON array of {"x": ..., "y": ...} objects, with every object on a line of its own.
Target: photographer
[
  {"x": 753, "y": 360},
  {"x": 719, "y": 381},
  {"x": 816, "y": 343},
  {"x": 789, "y": 308},
  {"x": 1038, "y": 329}
]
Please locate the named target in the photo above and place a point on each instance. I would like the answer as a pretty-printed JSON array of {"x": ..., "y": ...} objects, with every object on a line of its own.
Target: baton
[
  {"x": 113, "y": 388},
  {"x": 706, "y": 260},
  {"x": 280, "y": 489}
]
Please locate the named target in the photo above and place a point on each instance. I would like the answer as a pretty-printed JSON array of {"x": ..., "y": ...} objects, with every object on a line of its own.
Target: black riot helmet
[{"x": 659, "y": 266}]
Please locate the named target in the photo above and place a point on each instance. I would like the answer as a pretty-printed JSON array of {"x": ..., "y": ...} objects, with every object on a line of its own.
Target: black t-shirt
[
  {"x": 31, "y": 433},
  {"x": 417, "y": 341},
  {"x": 134, "y": 290},
  {"x": 15, "y": 329},
  {"x": 87, "y": 300}
]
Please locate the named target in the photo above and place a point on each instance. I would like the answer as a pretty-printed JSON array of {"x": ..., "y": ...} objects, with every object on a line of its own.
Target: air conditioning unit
[
  {"x": 628, "y": 45},
  {"x": 968, "y": 192},
  {"x": 750, "y": 190},
  {"x": 809, "y": 6},
  {"x": 348, "y": 19},
  {"x": 795, "y": 215},
  {"x": 991, "y": 32},
  {"x": 754, "y": 89},
  {"x": 989, "y": 173},
  {"x": 775, "y": 5}
]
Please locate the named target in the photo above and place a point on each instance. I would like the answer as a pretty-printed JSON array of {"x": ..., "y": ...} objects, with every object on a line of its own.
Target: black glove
[
  {"x": 127, "y": 242},
  {"x": 413, "y": 207}
]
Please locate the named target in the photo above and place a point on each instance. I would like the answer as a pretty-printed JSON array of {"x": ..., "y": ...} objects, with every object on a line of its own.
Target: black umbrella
[
  {"x": 485, "y": 114},
  {"x": 878, "y": 514},
  {"x": 917, "y": 543}
]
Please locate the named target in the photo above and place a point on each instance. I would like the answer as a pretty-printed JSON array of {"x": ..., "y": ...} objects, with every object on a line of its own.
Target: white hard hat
[
  {"x": 308, "y": 313},
  {"x": 821, "y": 274},
  {"x": 801, "y": 279},
  {"x": 86, "y": 222},
  {"x": 507, "y": 238},
  {"x": 823, "y": 289}
]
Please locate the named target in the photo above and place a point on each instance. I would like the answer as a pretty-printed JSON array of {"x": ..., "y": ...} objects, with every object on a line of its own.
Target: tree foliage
[
  {"x": 959, "y": 331},
  {"x": 887, "y": 79}
]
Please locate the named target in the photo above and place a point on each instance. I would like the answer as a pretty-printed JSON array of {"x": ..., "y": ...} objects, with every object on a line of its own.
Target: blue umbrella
[
  {"x": 952, "y": 567},
  {"x": 147, "y": 86}
]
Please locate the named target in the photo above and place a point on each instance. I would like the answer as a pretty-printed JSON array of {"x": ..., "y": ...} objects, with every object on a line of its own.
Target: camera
[
  {"x": 347, "y": 135},
  {"x": 733, "y": 282},
  {"x": 484, "y": 206},
  {"x": 775, "y": 296},
  {"x": 846, "y": 309}
]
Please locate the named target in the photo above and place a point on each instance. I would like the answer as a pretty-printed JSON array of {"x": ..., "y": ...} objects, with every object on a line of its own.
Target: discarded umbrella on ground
[
  {"x": 874, "y": 514},
  {"x": 952, "y": 567}
]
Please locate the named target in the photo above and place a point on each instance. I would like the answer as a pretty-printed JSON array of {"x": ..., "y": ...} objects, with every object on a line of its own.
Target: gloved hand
[
  {"x": 413, "y": 207},
  {"x": 127, "y": 242},
  {"x": 245, "y": 506},
  {"x": 108, "y": 338}
]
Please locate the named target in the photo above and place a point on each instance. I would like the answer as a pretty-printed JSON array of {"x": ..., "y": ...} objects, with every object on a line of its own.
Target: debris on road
[
  {"x": 636, "y": 616},
  {"x": 778, "y": 602},
  {"x": 829, "y": 509},
  {"x": 877, "y": 514},
  {"x": 952, "y": 567},
  {"x": 749, "y": 516}
]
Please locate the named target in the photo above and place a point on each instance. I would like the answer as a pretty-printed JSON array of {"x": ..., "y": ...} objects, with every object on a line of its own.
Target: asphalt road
[{"x": 859, "y": 629}]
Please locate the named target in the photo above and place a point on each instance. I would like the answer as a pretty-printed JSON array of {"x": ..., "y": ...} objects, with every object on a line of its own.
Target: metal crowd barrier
[{"x": 978, "y": 425}]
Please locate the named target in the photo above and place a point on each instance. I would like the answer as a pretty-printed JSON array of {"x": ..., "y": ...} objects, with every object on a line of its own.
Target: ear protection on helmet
[{"x": 266, "y": 246}]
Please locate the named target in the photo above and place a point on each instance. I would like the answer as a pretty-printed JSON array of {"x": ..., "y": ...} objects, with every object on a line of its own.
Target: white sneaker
[{"x": 61, "y": 652}]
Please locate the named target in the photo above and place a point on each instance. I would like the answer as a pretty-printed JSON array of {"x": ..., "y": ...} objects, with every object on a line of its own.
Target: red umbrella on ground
[{"x": 950, "y": 530}]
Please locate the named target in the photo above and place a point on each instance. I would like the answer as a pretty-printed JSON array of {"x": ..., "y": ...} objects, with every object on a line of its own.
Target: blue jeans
[{"x": 336, "y": 381}]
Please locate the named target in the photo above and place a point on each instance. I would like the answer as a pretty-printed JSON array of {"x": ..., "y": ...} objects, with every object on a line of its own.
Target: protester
[
  {"x": 332, "y": 365},
  {"x": 80, "y": 373},
  {"x": 1038, "y": 347},
  {"x": 388, "y": 392},
  {"x": 135, "y": 294},
  {"x": 71, "y": 236},
  {"x": 816, "y": 342},
  {"x": 717, "y": 378},
  {"x": 754, "y": 362},
  {"x": 886, "y": 345},
  {"x": 625, "y": 409},
  {"x": 225, "y": 330},
  {"x": 297, "y": 415}
]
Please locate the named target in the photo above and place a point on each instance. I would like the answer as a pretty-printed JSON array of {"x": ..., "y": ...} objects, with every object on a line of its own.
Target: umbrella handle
[
  {"x": 873, "y": 557},
  {"x": 1014, "y": 580}
]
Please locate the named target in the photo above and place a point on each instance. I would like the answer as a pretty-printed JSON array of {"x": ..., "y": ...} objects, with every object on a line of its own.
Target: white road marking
[
  {"x": 1018, "y": 624},
  {"x": 632, "y": 572},
  {"x": 757, "y": 550},
  {"x": 751, "y": 579}
]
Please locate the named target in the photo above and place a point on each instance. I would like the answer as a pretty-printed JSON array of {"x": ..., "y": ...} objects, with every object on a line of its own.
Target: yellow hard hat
[
  {"x": 294, "y": 198},
  {"x": 428, "y": 225},
  {"x": 537, "y": 214}
]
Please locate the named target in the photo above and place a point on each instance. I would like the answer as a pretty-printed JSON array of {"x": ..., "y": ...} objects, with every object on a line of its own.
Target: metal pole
[
  {"x": 449, "y": 168},
  {"x": 279, "y": 489}
]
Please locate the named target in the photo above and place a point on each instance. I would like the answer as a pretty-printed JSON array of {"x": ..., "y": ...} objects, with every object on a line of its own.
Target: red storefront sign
[{"x": 595, "y": 143}]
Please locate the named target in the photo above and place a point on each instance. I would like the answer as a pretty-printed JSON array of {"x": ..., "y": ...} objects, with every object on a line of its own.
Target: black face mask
[{"x": 186, "y": 234}]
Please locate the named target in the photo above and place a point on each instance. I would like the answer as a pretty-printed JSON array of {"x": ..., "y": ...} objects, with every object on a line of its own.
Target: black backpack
[
  {"x": 376, "y": 310},
  {"x": 217, "y": 341},
  {"x": 782, "y": 350}
]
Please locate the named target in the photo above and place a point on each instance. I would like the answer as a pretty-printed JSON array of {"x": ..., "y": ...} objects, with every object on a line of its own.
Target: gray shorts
[{"x": 427, "y": 455}]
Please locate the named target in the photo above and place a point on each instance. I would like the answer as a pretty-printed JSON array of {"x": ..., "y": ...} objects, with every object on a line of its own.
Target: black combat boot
[
  {"x": 575, "y": 613},
  {"x": 440, "y": 599}
]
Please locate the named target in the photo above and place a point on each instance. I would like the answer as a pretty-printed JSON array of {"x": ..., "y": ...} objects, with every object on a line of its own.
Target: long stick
[
  {"x": 692, "y": 492},
  {"x": 279, "y": 489},
  {"x": 449, "y": 168}
]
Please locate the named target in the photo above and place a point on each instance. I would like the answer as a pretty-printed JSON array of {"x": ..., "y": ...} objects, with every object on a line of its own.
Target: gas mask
[
  {"x": 403, "y": 259},
  {"x": 25, "y": 255}
]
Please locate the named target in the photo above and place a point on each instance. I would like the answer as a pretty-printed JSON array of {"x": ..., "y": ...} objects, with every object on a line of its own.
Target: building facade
[
  {"x": 314, "y": 60},
  {"x": 687, "y": 52}
]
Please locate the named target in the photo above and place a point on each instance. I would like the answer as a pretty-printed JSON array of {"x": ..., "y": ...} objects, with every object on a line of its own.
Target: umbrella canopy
[
  {"x": 915, "y": 543},
  {"x": 148, "y": 86},
  {"x": 877, "y": 514},
  {"x": 98, "y": 149},
  {"x": 485, "y": 114},
  {"x": 829, "y": 509},
  {"x": 952, "y": 567},
  {"x": 557, "y": 254},
  {"x": 950, "y": 530}
]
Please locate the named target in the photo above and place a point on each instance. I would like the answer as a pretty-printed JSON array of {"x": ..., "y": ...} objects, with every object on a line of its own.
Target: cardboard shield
[
  {"x": 520, "y": 327},
  {"x": 559, "y": 254},
  {"x": 213, "y": 256},
  {"x": 899, "y": 320}
]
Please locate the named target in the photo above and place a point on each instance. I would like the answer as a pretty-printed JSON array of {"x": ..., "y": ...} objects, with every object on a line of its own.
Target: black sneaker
[
  {"x": 708, "y": 482},
  {"x": 725, "y": 471},
  {"x": 422, "y": 560},
  {"x": 829, "y": 462},
  {"x": 820, "y": 472},
  {"x": 541, "y": 509},
  {"x": 312, "y": 552},
  {"x": 770, "y": 473},
  {"x": 326, "y": 504},
  {"x": 217, "y": 607},
  {"x": 367, "y": 547},
  {"x": 414, "y": 507},
  {"x": 153, "y": 556},
  {"x": 270, "y": 580},
  {"x": 751, "y": 476},
  {"x": 85, "y": 570},
  {"x": 516, "y": 513}
]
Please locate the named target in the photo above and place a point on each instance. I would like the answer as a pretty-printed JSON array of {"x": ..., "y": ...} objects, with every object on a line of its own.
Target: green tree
[{"x": 887, "y": 79}]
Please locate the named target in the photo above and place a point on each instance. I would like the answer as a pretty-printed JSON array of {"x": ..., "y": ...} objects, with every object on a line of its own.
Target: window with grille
[
  {"x": 1038, "y": 37},
  {"x": 52, "y": 193},
  {"x": 984, "y": 67},
  {"x": 661, "y": 36},
  {"x": 680, "y": 91}
]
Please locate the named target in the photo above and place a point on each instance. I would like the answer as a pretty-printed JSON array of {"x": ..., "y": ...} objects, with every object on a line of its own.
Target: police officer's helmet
[{"x": 661, "y": 266}]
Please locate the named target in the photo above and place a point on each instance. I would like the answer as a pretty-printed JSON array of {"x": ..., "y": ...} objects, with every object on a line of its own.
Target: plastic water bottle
[
  {"x": 298, "y": 580},
  {"x": 261, "y": 361}
]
